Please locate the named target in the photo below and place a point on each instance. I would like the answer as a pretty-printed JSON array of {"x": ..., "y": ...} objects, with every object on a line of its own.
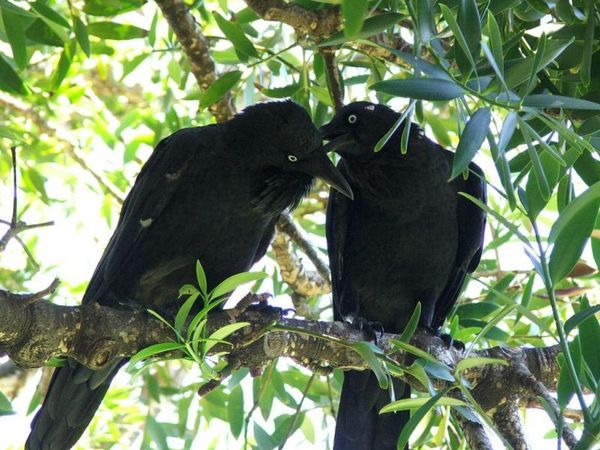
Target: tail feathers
[
  {"x": 74, "y": 394},
  {"x": 359, "y": 425}
]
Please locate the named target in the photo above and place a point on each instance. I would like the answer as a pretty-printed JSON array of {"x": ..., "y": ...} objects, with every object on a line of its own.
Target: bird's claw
[
  {"x": 451, "y": 342},
  {"x": 372, "y": 330}
]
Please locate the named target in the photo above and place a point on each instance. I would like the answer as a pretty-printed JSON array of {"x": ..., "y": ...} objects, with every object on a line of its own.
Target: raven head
[
  {"x": 356, "y": 128},
  {"x": 292, "y": 143}
]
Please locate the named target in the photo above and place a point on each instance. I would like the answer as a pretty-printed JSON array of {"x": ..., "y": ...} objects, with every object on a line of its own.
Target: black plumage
[
  {"x": 407, "y": 237},
  {"x": 209, "y": 193}
]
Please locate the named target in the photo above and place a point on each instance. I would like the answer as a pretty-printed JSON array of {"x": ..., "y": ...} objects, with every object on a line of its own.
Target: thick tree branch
[
  {"x": 197, "y": 50},
  {"x": 315, "y": 24},
  {"x": 32, "y": 333}
]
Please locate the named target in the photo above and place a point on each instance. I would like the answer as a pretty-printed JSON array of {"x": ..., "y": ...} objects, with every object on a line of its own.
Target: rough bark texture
[{"x": 197, "y": 50}]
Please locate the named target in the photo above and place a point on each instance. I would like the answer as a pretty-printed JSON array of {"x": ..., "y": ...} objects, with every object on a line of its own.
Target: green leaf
[
  {"x": 412, "y": 324},
  {"x": 470, "y": 140},
  {"x": 521, "y": 71},
  {"x": 263, "y": 439},
  {"x": 458, "y": 35},
  {"x": 281, "y": 92},
  {"x": 417, "y": 402},
  {"x": 469, "y": 363},
  {"x": 116, "y": 31},
  {"x": 354, "y": 12},
  {"x": 540, "y": 176},
  {"x": 235, "y": 411},
  {"x": 371, "y": 26},
  {"x": 236, "y": 35},
  {"x": 155, "y": 350},
  {"x": 535, "y": 67},
  {"x": 496, "y": 43},
  {"x": 14, "y": 28},
  {"x": 220, "y": 334},
  {"x": 429, "y": 69},
  {"x": 416, "y": 418},
  {"x": 64, "y": 63},
  {"x": 535, "y": 202},
  {"x": 82, "y": 35},
  {"x": 416, "y": 351},
  {"x": 201, "y": 278},
  {"x": 184, "y": 312},
  {"x": 6, "y": 407},
  {"x": 559, "y": 101},
  {"x": 44, "y": 11},
  {"x": 231, "y": 283},
  {"x": 470, "y": 25},
  {"x": 392, "y": 130},
  {"x": 10, "y": 81},
  {"x": 420, "y": 88},
  {"x": 111, "y": 7},
  {"x": 8, "y": 6},
  {"x": 157, "y": 432},
  {"x": 579, "y": 317},
  {"x": 219, "y": 88},
  {"x": 367, "y": 351},
  {"x": 589, "y": 331},
  {"x": 571, "y": 231}
]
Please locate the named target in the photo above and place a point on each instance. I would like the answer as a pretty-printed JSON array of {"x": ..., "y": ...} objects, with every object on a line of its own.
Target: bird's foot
[
  {"x": 451, "y": 342},
  {"x": 371, "y": 329},
  {"x": 258, "y": 303}
]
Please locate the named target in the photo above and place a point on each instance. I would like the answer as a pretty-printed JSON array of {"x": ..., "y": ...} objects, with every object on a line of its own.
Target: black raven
[
  {"x": 210, "y": 193},
  {"x": 407, "y": 237}
]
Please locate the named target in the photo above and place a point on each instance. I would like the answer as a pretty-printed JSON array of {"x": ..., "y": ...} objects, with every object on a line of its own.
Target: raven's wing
[
  {"x": 152, "y": 191},
  {"x": 471, "y": 228},
  {"x": 75, "y": 391},
  {"x": 336, "y": 228}
]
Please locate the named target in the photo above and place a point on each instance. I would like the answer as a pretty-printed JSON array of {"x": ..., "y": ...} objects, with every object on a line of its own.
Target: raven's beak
[
  {"x": 338, "y": 139},
  {"x": 320, "y": 166}
]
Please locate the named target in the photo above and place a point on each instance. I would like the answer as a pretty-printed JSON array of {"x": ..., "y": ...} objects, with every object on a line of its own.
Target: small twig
[
  {"x": 295, "y": 417},
  {"x": 16, "y": 226},
  {"x": 105, "y": 184},
  {"x": 245, "y": 303},
  {"x": 28, "y": 299},
  {"x": 13, "y": 152},
  {"x": 528, "y": 381}
]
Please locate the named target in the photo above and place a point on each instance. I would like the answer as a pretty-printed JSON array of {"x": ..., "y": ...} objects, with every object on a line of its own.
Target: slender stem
[
  {"x": 297, "y": 413},
  {"x": 559, "y": 325},
  {"x": 13, "y": 151}
]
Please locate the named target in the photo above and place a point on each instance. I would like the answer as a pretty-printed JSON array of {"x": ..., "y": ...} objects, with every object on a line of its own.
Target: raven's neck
[{"x": 281, "y": 191}]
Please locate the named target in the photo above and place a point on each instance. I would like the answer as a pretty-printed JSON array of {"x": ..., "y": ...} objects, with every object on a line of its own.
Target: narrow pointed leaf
[
  {"x": 470, "y": 140},
  {"x": 559, "y": 101},
  {"x": 420, "y": 88},
  {"x": 236, "y": 280},
  {"x": 219, "y": 88},
  {"x": 367, "y": 351},
  {"x": 15, "y": 32},
  {"x": 354, "y": 12},
  {"x": 371, "y": 26},
  {"x": 236, "y": 35}
]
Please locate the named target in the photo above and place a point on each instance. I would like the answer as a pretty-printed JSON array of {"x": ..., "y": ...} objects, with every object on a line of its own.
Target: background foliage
[{"x": 87, "y": 88}]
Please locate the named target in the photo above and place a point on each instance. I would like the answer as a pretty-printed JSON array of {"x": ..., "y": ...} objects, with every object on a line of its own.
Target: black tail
[
  {"x": 359, "y": 425},
  {"x": 74, "y": 394}
]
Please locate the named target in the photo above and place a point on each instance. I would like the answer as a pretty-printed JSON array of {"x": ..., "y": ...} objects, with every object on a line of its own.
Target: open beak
[
  {"x": 320, "y": 166},
  {"x": 338, "y": 139}
]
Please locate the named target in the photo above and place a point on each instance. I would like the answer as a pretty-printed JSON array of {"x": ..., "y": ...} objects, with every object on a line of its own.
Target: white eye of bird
[
  {"x": 292, "y": 158},
  {"x": 352, "y": 118}
]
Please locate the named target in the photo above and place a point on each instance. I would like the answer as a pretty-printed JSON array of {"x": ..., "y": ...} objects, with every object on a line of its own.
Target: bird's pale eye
[
  {"x": 292, "y": 158},
  {"x": 352, "y": 118}
]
